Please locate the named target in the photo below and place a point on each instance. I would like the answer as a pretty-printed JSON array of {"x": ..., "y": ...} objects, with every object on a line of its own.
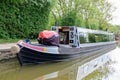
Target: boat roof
[
  {"x": 93, "y": 31},
  {"x": 85, "y": 30}
]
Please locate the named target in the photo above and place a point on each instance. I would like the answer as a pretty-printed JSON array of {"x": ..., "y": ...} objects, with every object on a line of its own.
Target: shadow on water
[{"x": 90, "y": 68}]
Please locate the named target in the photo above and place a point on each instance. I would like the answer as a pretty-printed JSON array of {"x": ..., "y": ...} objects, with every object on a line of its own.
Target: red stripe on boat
[{"x": 31, "y": 46}]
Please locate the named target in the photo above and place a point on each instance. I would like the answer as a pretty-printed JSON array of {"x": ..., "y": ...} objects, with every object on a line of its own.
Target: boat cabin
[{"x": 76, "y": 36}]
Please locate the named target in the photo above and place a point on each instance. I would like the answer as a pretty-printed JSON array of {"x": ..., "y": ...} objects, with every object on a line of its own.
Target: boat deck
[{"x": 66, "y": 49}]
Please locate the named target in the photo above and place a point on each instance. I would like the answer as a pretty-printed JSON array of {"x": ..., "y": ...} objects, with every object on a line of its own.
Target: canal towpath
[
  {"x": 5, "y": 51},
  {"x": 6, "y": 46}
]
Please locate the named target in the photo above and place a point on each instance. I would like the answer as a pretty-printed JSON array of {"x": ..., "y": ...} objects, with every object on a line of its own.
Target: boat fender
[{"x": 15, "y": 49}]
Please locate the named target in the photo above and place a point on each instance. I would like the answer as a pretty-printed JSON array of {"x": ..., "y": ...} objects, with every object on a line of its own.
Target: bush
[
  {"x": 68, "y": 19},
  {"x": 23, "y": 19}
]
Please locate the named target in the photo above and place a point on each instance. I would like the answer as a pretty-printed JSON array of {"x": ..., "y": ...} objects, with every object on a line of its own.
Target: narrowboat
[{"x": 64, "y": 43}]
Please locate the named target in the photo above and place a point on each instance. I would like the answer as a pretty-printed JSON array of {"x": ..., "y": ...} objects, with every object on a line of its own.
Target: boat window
[
  {"x": 91, "y": 37},
  {"x": 111, "y": 37},
  {"x": 106, "y": 38},
  {"x": 99, "y": 37},
  {"x": 61, "y": 36},
  {"x": 82, "y": 37},
  {"x": 64, "y": 37}
]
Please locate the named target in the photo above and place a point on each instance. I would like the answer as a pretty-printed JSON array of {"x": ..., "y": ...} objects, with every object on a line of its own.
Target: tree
[
  {"x": 24, "y": 18},
  {"x": 105, "y": 13},
  {"x": 93, "y": 14}
]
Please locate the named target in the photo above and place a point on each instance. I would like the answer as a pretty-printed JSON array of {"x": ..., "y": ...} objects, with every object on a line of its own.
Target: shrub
[{"x": 23, "y": 19}]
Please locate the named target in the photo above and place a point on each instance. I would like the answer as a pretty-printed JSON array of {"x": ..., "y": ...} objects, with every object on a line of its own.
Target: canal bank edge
[{"x": 5, "y": 51}]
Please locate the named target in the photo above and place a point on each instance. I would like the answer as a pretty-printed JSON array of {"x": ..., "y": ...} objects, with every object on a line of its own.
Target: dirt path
[{"x": 6, "y": 46}]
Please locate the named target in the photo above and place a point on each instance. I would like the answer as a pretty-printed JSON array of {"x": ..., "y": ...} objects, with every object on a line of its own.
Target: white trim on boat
[{"x": 96, "y": 44}]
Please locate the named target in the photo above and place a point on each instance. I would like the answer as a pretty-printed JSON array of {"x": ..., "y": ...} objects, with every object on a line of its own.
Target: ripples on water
[{"x": 104, "y": 67}]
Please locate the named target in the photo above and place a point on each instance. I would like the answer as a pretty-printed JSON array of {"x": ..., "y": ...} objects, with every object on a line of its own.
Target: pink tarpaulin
[{"x": 46, "y": 34}]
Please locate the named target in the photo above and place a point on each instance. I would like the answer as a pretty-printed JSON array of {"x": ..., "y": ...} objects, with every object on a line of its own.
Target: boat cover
[
  {"x": 48, "y": 38},
  {"x": 46, "y": 34}
]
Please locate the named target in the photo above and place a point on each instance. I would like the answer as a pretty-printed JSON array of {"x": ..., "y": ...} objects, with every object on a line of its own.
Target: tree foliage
[
  {"x": 93, "y": 14},
  {"x": 23, "y": 18}
]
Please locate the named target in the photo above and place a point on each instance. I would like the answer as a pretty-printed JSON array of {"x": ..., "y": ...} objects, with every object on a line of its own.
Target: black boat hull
[{"x": 28, "y": 56}]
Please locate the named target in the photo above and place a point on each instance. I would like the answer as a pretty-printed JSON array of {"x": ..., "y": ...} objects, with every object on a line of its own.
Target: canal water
[{"x": 97, "y": 67}]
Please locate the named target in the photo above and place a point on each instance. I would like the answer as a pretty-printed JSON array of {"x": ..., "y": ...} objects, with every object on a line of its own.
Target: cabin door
[{"x": 64, "y": 37}]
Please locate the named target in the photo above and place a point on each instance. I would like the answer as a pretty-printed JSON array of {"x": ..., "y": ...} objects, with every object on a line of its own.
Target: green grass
[{"x": 2, "y": 41}]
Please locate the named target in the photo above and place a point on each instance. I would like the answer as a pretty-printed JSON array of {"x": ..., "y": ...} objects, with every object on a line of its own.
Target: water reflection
[
  {"x": 115, "y": 65},
  {"x": 91, "y": 66},
  {"x": 97, "y": 67},
  {"x": 109, "y": 70}
]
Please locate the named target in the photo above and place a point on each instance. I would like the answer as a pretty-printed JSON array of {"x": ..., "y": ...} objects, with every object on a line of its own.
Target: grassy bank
[{"x": 2, "y": 41}]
